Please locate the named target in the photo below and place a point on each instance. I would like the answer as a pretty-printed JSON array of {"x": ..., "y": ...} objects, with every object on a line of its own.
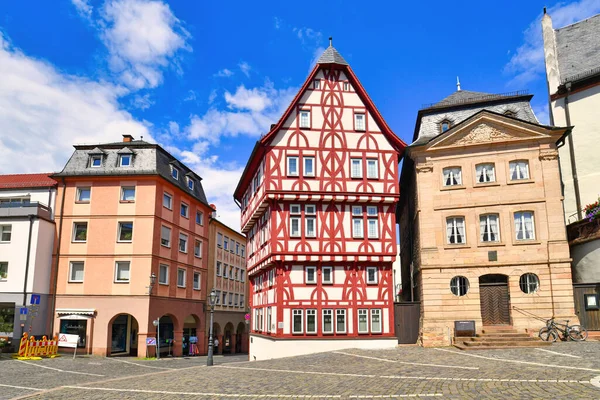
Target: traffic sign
[
  {"x": 247, "y": 316},
  {"x": 150, "y": 341},
  {"x": 35, "y": 299},
  {"x": 23, "y": 313}
]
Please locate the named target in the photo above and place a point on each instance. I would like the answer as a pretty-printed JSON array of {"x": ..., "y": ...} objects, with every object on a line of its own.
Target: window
[
  {"x": 485, "y": 173},
  {"x": 376, "y": 320},
  {"x": 185, "y": 209},
  {"x": 363, "y": 321},
  {"x": 372, "y": 170},
  {"x": 218, "y": 268},
  {"x": 76, "y": 271},
  {"x": 219, "y": 239},
  {"x": 196, "y": 281},
  {"x": 95, "y": 161},
  {"x": 311, "y": 321},
  {"x": 327, "y": 275},
  {"x": 459, "y": 285},
  {"x": 224, "y": 302},
  {"x": 355, "y": 168},
  {"x": 292, "y": 166},
  {"x": 311, "y": 220},
  {"x": 125, "y": 160},
  {"x": 231, "y": 301},
  {"x": 294, "y": 220},
  {"x": 317, "y": 84},
  {"x": 225, "y": 269},
  {"x": 444, "y": 126},
  {"x": 359, "y": 122},
  {"x": 3, "y": 270},
  {"x": 218, "y": 297},
  {"x": 128, "y": 193},
  {"x": 309, "y": 166},
  {"x": 340, "y": 321},
  {"x": 174, "y": 173},
  {"x": 489, "y": 228},
  {"x": 304, "y": 119},
  {"x": 79, "y": 232},
  {"x": 519, "y": 170},
  {"x": 327, "y": 321},
  {"x": 346, "y": 86},
  {"x": 311, "y": 274},
  {"x": 524, "y": 226},
  {"x": 269, "y": 318},
  {"x": 198, "y": 249},
  {"x": 237, "y": 274},
  {"x": 183, "y": 239},
  {"x": 122, "y": 271},
  {"x": 243, "y": 251},
  {"x": 357, "y": 222},
  {"x": 199, "y": 217},
  {"x": 231, "y": 272},
  {"x": 510, "y": 113},
  {"x": 242, "y": 301},
  {"x": 452, "y": 176},
  {"x": 237, "y": 249},
  {"x": 242, "y": 277},
  {"x": 181, "y": 277},
  {"x": 226, "y": 244},
  {"x": 372, "y": 222},
  {"x": 125, "y": 231},
  {"x": 455, "y": 230},
  {"x": 5, "y": 233},
  {"x": 529, "y": 283},
  {"x": 84, "y": 194},
  {"x": 372, "y": 275},
  {"x": 165, "y": 236},
  {"x": 163, "y": 274},
  {"x": 190, "y": 183},
  {"x": 167, "y": 201}
]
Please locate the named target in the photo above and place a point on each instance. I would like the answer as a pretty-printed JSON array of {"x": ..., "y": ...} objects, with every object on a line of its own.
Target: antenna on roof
[
  {"x": 330, "y": 41},
  {"x": 457, "y": 84}
]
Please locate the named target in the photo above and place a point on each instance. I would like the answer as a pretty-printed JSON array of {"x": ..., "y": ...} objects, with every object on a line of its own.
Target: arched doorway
[
  {"x": 190, "y": 335},
  {"x": 227, "y": 338},
  {"x": 494, "y": 299},
  {"x": 123, "y": 335},
  {"x": 217, "y": 336},
  {"x": 240, "y": 338},
  {"x": 167, "y": 334}
]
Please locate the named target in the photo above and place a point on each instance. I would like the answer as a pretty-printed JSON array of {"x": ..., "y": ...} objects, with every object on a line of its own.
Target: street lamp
[
  {"x": 156, "y": 323},
  {"x": 212, "y": 299},
  {"x": 152, "y": 282}
]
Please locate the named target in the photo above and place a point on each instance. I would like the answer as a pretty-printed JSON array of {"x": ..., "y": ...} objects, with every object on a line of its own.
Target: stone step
[
  {"x": 507, "y": 344},
  {"x": 509, "y": 329},
  {"x": 495, "y": 347},
  {"x": 503, "y": 334},
  {"x": 503, "y": 339}
]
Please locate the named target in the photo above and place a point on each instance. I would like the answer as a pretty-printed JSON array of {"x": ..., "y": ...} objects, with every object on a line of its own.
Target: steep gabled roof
[
  {"x": 578, "y": 48},
  {"x": 330, "y": 57},
  {"x": 26, "y": 181}
]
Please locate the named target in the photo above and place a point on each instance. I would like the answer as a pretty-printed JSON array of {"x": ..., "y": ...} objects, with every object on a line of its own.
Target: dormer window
[
  {"x": 346, "y": 86},
  {"x": 445, "y": 125},
  {"x": 510, "y": 113},
  {"x": 359, "y": 121},
  {"x": 190, "y": 183},
  {"x": 96, "y": 161},
  {"x": 317, "y": 84},
  {"x": 305, "y": 119},
  {"x": 125, "y": 160},
  {"x": 174, "y": 173}
]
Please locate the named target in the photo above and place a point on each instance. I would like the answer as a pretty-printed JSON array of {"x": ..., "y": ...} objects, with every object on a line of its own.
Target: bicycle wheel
[
  {"x": 548, "y": 335},
  {"x": 578, "y": 333}
]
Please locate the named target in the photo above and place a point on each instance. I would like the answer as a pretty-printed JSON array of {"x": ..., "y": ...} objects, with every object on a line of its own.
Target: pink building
[{"x": 131, "y": 248}]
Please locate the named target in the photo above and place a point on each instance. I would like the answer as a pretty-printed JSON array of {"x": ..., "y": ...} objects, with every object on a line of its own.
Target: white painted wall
[{"x": 262, "y": 348}]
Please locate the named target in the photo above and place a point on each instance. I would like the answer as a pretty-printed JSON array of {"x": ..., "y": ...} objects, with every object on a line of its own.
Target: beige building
[
  {"x": 482, "y": 231},
  {"x": 227, "y": 275}
]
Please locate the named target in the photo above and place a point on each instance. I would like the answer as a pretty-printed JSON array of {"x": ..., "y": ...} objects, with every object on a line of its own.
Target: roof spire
[
  {"x": 457, "y": 84},
  {"x": 330, "y": 41}
]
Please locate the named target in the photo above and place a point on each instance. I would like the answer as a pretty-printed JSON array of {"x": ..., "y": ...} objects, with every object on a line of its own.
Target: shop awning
[{"x": 75, "y": 313}]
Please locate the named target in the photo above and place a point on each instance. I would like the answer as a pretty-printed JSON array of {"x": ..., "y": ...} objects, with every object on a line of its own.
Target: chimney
[
  {"x": 214, "y": 212},
  {"x": 127, "y": 138}
]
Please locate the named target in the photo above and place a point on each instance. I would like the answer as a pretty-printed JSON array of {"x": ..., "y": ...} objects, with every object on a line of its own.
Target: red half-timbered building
[{"x": 318, "y": 199}]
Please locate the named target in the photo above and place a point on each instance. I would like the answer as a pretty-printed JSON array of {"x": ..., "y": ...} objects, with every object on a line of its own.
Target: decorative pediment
[{"x": 484, "y": 133}]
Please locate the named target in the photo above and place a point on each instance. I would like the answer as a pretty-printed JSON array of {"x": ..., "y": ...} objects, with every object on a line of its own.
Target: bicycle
[{"x": 553, "y": 331}]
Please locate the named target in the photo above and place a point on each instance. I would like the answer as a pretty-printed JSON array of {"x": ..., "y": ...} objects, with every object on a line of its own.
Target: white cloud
[
  {"x": 212, "y": 96},
  {"x": 527, "y": 63},
  {"x": 308, "y": 36},
  {"x": 142, "y": 102},
  {"x": 245, "y": 68},
  {"x": 224, "y": 73},
  {"x": 143, "y": 38},
  {"x": 191, "y": 96},
  {"x": 277, "y": 22},
  {"x": 84, "y": 8},
  {"x": 254, "y": 99},
  {"x": 541, "y": 112}
]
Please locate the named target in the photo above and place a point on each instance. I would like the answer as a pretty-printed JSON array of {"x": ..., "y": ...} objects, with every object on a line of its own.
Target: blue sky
[{"x": 205, "y": 79}]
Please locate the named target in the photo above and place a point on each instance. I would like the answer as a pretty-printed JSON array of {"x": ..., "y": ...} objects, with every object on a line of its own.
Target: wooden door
[
  {"x": 589, "y": 318},
  {"x": 406, "y": 320},
  {"x": 494, "y": 304}
]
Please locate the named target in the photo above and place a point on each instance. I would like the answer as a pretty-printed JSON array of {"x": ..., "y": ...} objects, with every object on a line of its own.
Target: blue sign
[
  {"x": 35, "y": 299},
  {"x": 23, "y": 311}
]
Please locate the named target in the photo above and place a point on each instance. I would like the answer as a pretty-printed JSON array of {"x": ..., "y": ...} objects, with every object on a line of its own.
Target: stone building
[
  {"x": 482, "y": 229},
  {"x": 130, "y": 249},
  {"x": 227, "y": 275}
]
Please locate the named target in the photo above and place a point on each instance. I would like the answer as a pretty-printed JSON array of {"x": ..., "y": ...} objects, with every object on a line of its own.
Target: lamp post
[
  {"x": 156, "y": 323},
  {"x": 212, "y": 299},
  {"x": 152, "y": 282}
]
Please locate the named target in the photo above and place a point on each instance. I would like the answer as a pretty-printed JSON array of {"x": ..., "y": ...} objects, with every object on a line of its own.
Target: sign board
[
  {"x": 247, "y": 317},
  {"x": 23, "y": 313},
  {"x": 150, "y": 341},
  {"x": 464, "y": 328},
  {"x": 193, "y": 339},
  {"x": 35, "y": 299},
  {"x": 66, "y": 340}
]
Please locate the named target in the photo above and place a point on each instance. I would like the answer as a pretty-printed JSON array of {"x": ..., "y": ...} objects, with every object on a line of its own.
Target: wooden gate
[
  {"x": 495, "y": 308},
  {"x": 406, "y": 319},
  {"x": 589, "y": 318}
]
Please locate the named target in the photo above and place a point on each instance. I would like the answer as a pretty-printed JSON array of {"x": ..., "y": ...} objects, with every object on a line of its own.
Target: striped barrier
[{"x": 31, "y": 349}]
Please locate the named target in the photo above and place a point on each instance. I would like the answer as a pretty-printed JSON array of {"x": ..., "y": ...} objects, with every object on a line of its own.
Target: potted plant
[{"x": 592, "y": 211}]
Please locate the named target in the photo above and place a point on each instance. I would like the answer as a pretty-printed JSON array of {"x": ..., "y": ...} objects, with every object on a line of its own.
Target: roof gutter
[
  {"x": 55, "y": 280},
  {"x": 572, "y": 154}
]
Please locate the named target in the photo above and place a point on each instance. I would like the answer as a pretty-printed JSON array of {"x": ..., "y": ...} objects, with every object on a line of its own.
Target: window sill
[
  {"x": 168, "y": 208},
  {"x": 309, "y": 176},
  {"x": 198, "y": 257},
  {"x": 181, "y": 287},
  {"x": 310, "y": 283},
  {"x": 73, "y": 241},
  {"x": 356, "y": 177},
  {"x": 75, "y": 281},
  {"x": 327, "y": 283},
  {"x": 485, "y": 184},
  {"x": 184, "y": 252},
  {"x": 126, "y": 201},
  {"x": 124, "y": 241},
  {"x": 520, "y": 181},
  {"x": 121, "y": 282},
  {"x": 456, "y": 246},
  {"x": 164, "y": 283},
  {"x": 491, "y": 244},
  {"x": 453, "y": 187},
  {"x": 372, "y": 283},
  {"x": 165, "y": 246},
  {"x": 82, "y": 202},
  {"x": 526, "y": 242},
  {"x": 197, "y": 289},
  {"x": 183, "y": 216}
]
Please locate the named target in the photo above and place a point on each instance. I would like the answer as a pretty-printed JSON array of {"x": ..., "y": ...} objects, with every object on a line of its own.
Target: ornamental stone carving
[
  {"x": 484, "y": 133},
  {"x": 548, "y": 155},
  {"x": 425, "y": 167}
]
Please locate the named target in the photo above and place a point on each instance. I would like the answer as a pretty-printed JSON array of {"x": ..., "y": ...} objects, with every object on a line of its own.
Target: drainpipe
[
  {"x": 55, "y": 281},
  {"x": 27, "y": 261},
  {"x": 572, "y": 154}
]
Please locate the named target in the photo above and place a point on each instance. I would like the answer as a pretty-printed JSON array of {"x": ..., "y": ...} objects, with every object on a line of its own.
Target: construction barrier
[{"x": 31, "y": 349}]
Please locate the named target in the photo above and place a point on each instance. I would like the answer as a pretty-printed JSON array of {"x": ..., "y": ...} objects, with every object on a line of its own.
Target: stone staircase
[{"x": 499, "y": 337}]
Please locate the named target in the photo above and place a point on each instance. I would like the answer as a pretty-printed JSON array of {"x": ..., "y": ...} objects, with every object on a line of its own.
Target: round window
[
  {"x": 530, "y": 283},
  {"x": 459, "y": 285}
]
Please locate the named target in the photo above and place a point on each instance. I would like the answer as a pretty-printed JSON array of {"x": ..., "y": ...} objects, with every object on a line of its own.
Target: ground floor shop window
[
  {"x": 75, "y": 327},
  {"x": 7, "y": 318}
]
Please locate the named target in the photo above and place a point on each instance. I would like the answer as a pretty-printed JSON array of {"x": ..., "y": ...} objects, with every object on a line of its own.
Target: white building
[{"x": 26, "y": 241}]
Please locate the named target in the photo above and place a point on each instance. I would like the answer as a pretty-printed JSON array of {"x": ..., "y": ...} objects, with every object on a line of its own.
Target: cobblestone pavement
[{"x": 564, "y": 369}]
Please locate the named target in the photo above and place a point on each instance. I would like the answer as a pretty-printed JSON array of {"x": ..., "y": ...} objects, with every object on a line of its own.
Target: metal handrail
[
  {"x": 476, "y": 99},
  {"x": 23, "y": 205},
  {"x": 522, "y": 311}
]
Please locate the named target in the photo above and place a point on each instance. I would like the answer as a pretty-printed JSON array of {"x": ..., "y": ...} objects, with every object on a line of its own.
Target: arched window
[
  {"x": 529, "y": 283},
  {"x": 445, "y": 125},
  {"x": 459, "y": 285}
]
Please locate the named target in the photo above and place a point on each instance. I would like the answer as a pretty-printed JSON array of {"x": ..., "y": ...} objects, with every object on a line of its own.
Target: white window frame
[
  {"x": 187, "y": 239},
  {"x": 312, "y": 313},
  {"x": 120, "y": 227},
  {"x": 184, "y": 277},
  {"x": 194, "y": 286},
  {"x": 457, "y": 283},
  {"x": 376, "y": 311},
  {"x": 269, "y": 317},
  {"x": 123, "y": 189},
  {"x": 375, "y": 280},
  {"x": 372, "y": 220},
  {"x": 327, "y": 312},
  {"x": 455, "y": 234},
  {"x": 198, "y": 246},
  {"x": 219, "y": 240},
  {"x": 71, "y": 271},
  {"x": 521, "y": 216},
  {"x": 451, "y": 175},
  {"x": 174, "y": 173},
  {"x": 4, "y": 229},
  {"x": 190, "y": 183},
  {"x": 170, "y": 201},
  {"x": 93, "y": 158},
  {"x": 338, "y": 312},
  {"x": 487, "y": 171},
  {"x": 166, "y": 268},
  {"x": 310, "y": 214},
  {"x": 359, "y": 173},
  {"x": 78, "y": 194},
  {"x": 117, "y": 265},
  {"x": 224, "y": 300},
  {"x": 316, "y": 84},
  {"x": 346, "y": 86},
  {"x": 200, "y": 218},
  {"x": 184, "y": 210},
  {"x": 288, "y": 168},
  {"x": 314, "y": 271},
  {"x": 74, "y": 238},
  {"x": 517, "y": 170},
  {"x": 168, "y": 244},
  {"x": 122, "y": 157},
  {"x": 302, "y": 119},
  {"x": 226, "y": 243},
  {"x": 304, "y": 163},
  {"x": 365, "y": 312},
  {"x": 375, "y": 162},
  {"x": 242, "y": 305},
  {"x": 485, "y": 224},
  {"x": 295, "y": 216},
  {"x": 531, "y": 283},
  {"x": 357, "y": 216},
  {"x": 359, "y": 125},
  {"x": 218, "y": 268},
  {"x": 330, "y": 269},
  {"x": 5, "y": 264}
]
